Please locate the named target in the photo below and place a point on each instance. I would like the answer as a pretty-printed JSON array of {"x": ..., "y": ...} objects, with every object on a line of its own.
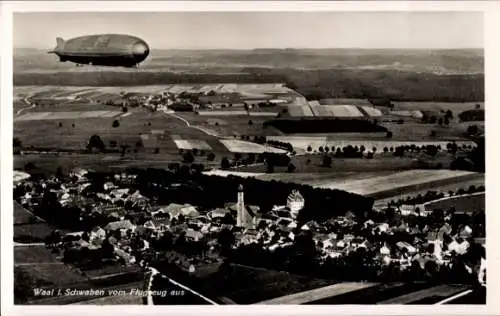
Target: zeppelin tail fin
[{"x": 60, "y": 43}]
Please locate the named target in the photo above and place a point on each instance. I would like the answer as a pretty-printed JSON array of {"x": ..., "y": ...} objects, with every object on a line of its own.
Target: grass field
[
  {"x": 231, "y": 126},
  {"x": 31, "y": 232},
  {"x": 74, "y": 115},
  {"x": 302, "y": 142},
  {"x": 249, "y": 285},
  {"x": 477, "y": 181},
  {"x": 240, "y": 146},
  {"x": 456, "y": 107},
  {"x": 467, "y": 203},
  {"x": 398, "y": 179}
]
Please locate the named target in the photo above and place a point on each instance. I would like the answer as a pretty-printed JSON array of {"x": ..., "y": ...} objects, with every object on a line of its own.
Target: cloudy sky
[{"x": 247, "y": 30}]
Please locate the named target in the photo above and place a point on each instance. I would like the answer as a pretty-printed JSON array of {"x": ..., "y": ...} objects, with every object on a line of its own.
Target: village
[{"x": 121, "y": 225}]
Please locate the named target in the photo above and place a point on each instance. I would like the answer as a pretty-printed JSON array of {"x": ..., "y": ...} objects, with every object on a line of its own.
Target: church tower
[{"x": 240, "y": 206}]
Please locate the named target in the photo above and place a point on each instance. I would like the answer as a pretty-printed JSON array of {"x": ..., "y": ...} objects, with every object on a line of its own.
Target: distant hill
[
  {"x": 432, "y": 61},
  {"x": 398, "y": 75}
]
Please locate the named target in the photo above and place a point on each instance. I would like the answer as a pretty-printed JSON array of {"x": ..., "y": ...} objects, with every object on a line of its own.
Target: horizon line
[{"x": 302, "y": 48}]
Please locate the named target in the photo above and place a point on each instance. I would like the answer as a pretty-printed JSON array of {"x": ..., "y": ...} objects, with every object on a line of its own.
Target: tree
[
  {"x": 327, "y": 161},
  {"x": 226, "y": 239},
  {"x": 440, "y": 121},
  {"x": 446, "y": 121},
  {"x": 251, "y": 158},
  {"x": 388, "y": 134},
  {"x": 472, "y": 130},
  {"x": 95, "y": 142},
  {"x": 250, "y": 122},
  {"x": 195, "y": 151},
  {"x": 270, "y": 168},
  {"x": 327, "y": 149},
  {"x": 478, "y": 106},
  {"x": 188, "y": 157},
  {"x": 211, "y": 157},
  {"x": 139, "y": 144},
  {"x": 449, "y": 114},
  {"x": 309, "y": 149},
  {"x": 291, "y": 168},
  {"x": 386, "y": 149},
  {"x": 320, "y": 149},
  {"x": 124, "y": 109},
  {"x": 115, "y": 123},
  {"x": 16, "y": 142},
  {"x": 224, "y": 163},
  {"x": 374, "y": 149},
  {"x": 157, "y": 150},
  {"x": 60, "y": 124},
  {"x": 29, "y": 167}
]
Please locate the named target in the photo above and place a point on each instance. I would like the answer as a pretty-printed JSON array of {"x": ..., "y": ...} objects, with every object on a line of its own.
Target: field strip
[
  {"x": 454, "y": 297},
  {"x": 37, "y": 263},
  {"x": 38, "y": 116},
  {"x": 193, "y": 126},
  {"x": 441, "y": 290},
  {"x": 225, "y": 173},
  {"x": 319, "y": 294},
  {"x": 240, "y": 146},
  {"x": 427, "y": 185},
  {"x": 192, "y": 144},
  {"x": 476, "y": 180},
  {"x": 35, "y": 244},
  {"x": 397, "y": 180}
]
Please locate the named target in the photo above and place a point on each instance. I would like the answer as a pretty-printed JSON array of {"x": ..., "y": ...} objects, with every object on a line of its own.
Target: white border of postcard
[{"x": 491, "y": 10}]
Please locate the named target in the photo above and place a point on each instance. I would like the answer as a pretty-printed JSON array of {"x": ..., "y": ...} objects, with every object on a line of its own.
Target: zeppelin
[{"x": 115, "y": 50}]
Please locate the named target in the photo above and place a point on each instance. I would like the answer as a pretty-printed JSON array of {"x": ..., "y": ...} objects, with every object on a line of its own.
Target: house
[
  {"x": 383, "y": 228},
  {"x": 193, "y": 235},
  {"x": 368, "y": 223},
  {"x": 120, "y": 225},
  {"x": 186, "y": 210},
  {"x": 407, "y": 246},
  {"x": 109, "y": 186},
  {"x": 218, "y": 213},
  {"x": 385, "y": 250},
  {"x": 149, "y": 225},
  {"x": 460, "y": 246},
  {"x": 126, "y": 257},
  {"x": 97, "y": 234},
  {"x": 79, "y": 173}
]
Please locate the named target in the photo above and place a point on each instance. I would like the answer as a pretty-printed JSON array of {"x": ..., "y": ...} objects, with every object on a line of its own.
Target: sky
[{"x": 248, "y": 30}]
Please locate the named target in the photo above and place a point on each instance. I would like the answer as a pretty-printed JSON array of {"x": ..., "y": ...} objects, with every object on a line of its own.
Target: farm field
[
  {"x": 465, "y": 203},
  {"x": 74, "y": 115},
  {"x": 230, "y": 126},
  {"x": 41, "y": 265},
  {"x": 396, "y": 180},
  {"x": 250, "y": 285},
  {"x": 302, "y": 142},
  {"x": 477, "y": 181},
  {"x": 240, "y": 146},
  {"x": 456, "y": 107}
]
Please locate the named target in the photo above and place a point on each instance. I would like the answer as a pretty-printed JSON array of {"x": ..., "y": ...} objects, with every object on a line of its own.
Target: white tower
[{"x": 240, "y": 207}]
